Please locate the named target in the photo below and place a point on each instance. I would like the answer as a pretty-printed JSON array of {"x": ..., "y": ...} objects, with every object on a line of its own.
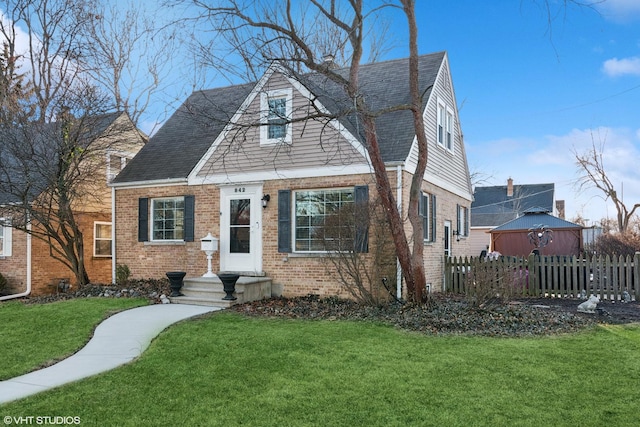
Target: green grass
[
  {"x": 38, "y": 334},
  {"x": 228, "y": 370}
]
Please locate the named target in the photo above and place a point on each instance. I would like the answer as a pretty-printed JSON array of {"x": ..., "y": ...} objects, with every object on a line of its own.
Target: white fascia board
[
  {"x": 270, "y": 175},
  {"x": 355, "y": 143}
]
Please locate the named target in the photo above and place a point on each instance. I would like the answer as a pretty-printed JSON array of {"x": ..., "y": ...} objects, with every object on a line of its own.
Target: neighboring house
[
  {"x": 513, "y": 238},
  {"x": 495, "y": 205},
  {"x": 247, "y": 164},
  {"x": 25, "y": 260}
]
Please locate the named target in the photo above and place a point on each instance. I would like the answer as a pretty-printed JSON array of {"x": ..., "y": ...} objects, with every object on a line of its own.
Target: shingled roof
[
  {"x": 534, "y": 218},
  {"x": 42, "y": 138},
  {"x": 182, "y": 141},
  {"x": 492, "y": 206}
]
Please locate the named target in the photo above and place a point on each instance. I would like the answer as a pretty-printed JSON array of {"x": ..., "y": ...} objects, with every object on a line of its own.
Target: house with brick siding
[
  {"x": 26, "y": 261},
  {"x": 260, "y": 166}
]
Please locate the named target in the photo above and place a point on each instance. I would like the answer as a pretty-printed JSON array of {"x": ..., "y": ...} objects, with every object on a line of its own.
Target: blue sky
[{"x": 530, "y": 91}]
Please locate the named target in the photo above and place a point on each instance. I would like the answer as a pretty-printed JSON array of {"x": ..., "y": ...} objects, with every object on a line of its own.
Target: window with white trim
[
  {"x": 441, "y": 116},
  {"x": 276, "y": 108},
  {"x": 448, "y": 140},
  {"x": 426, "y": 209},
  {"x": 116, "y": 161},
  {"x": 463, "y": 221},
  {"x": 5, "y": 238},
  {"x": 445, "y": 120},
  {"x": 167, "y": 218},
  {"x": 101, "y": 239},
  {"x": 324, "y": 220}
]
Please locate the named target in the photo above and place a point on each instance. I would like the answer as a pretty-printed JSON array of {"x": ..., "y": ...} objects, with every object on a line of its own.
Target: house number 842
[{"x": 239, "y": 190}]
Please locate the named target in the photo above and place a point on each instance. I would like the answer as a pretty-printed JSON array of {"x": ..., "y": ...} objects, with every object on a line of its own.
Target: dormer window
[{"x": 276, "y": 116}]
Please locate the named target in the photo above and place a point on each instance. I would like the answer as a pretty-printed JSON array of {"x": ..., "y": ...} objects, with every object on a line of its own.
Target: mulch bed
[
  {"x": 446, "y": 315},
  {"x": 449, "y": 315}
]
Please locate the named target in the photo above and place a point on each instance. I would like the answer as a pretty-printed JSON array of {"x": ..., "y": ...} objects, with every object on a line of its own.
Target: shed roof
[{"x": 531, "y": 220}]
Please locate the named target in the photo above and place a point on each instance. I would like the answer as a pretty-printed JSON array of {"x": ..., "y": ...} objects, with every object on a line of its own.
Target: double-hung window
[
  {"x": 5, "y": 238},
  {"x": 167, "y": 218},
  {"x": 101, "y": 239},
  {"x": 445, "y": 126},
  {"x": 442, "y": 112},
  {"x": 276, "y": 108},
  {"x": 463, "y": 220},
  {"x": 427, "y": 210},
  {"x": 116, "y": 161}
]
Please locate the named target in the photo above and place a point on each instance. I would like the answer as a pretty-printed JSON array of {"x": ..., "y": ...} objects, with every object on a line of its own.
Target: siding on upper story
[
  {"x": 316, "y": 143},
  {"x": 446, "y": 168}
]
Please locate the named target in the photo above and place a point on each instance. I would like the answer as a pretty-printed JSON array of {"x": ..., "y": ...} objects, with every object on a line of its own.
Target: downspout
[
  {"x": 399, "y": 202},
  {"x": 113, "y": 235},
  {"x": 28, "y": 291}
]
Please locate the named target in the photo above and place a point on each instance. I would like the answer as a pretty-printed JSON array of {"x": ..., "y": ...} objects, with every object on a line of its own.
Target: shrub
[
  {"x": 364, "y": 276},
  {"x": 617, "y": 244},
  {"x": 122, "y": 274},
  {"x": 492, "y": 282},
  {"x": 3, "y": 284}
]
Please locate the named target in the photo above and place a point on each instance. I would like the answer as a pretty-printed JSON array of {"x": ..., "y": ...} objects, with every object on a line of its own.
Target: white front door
[{"x": 241, "y": 228}]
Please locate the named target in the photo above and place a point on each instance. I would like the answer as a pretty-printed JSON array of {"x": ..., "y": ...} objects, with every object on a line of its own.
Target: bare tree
[
  {"x": 594, "y": 175},
  {"x": 126, "y": 53},
  {"x": 57, "y": 124},
  {"x": 265, "y": 32}
]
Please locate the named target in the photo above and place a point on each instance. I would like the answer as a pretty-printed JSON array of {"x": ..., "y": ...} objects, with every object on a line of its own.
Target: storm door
[{"x": 241, "y": 228}]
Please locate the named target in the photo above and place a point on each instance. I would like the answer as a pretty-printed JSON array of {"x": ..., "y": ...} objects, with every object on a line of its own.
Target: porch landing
[{"x": 208, "y": 291}]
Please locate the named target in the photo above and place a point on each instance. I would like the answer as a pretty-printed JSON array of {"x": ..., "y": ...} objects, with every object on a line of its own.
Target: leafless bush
[
  {"x": 492, "y": 282},
  {"x": 361, "y": 274},
  {"x": 617, "y": 244}
]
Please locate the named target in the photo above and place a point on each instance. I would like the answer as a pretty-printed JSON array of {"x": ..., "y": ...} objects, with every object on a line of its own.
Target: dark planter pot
[
  {"x": 175, "y": 282},
  {"x": 229, "y": 285}
]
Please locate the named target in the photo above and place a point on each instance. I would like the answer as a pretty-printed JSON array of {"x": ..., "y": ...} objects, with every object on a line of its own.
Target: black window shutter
[
  {"x": 434, "y": 226},
  {"x": 284, "y": 221},
  {"x": 189, "y": 217},
  {"x": 466, "y": 222},
  {"x": 143, "y": 219},
  {"x": 458, "y": 224},
  {"x": 361, "y": 243}
]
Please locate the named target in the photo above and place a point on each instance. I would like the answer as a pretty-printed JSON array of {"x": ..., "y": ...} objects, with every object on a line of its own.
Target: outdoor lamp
[{"x": 265, "y": 199}]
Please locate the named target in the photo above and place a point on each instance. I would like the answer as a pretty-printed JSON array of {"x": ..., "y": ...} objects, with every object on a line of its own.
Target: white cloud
[
  {"x": 618, "y": 67},
  {"x": 551, "y": 159},
  {"x": 620, "y": 10}
]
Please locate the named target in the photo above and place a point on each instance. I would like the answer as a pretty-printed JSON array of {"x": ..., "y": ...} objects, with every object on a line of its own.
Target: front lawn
[
  {"x": 36, "y": 335},
  {"x": 226, "y": 369}
]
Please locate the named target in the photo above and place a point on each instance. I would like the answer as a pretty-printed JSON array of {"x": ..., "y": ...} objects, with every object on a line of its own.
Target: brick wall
[{"x": 294, "y": 274}]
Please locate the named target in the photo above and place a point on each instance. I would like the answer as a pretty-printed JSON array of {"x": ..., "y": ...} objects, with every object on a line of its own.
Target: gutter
[
  {"x": 113, "y": 235},
  {"x": 399, "y": 202},
  {"x": 149, "y": 183},
  {"x": 28, "y": 291}
]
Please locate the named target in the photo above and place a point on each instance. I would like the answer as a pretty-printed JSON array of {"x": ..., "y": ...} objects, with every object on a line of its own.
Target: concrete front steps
[{"x": 208, "y": 291}]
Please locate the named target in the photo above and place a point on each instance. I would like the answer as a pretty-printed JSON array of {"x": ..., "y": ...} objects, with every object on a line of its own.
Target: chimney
[
  {"x": 510, "y": 187},
  {"x": 328, "y": 61},
  {"x": 560, "y": 208}
]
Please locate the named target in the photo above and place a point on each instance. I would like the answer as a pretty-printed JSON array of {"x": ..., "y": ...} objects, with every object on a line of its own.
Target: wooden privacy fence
[{"x": 557, "y": 276}]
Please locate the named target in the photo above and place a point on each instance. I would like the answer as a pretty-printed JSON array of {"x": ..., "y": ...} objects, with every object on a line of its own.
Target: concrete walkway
[{"x": 116, "y": 341}]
